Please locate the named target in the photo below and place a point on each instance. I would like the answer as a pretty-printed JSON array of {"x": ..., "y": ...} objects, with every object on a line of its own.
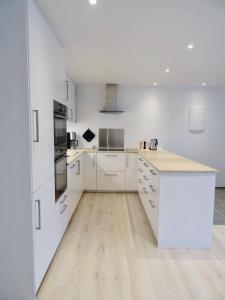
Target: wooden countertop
[{"x": 165, "y": 161}]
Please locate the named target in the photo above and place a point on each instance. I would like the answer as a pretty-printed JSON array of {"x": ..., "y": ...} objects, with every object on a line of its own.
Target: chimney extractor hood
[{"x": 111, "y": 100}]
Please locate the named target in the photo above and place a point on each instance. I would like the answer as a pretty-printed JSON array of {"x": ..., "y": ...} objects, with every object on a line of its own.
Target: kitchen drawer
[
  {"x": 111, "y": 181},
  {"x": 111, "y": 162}
]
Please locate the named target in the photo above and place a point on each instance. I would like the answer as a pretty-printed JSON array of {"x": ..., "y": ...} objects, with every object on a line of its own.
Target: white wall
[
  {"x": 16, "y": 242},
  {"x": 161, "y": 113}
]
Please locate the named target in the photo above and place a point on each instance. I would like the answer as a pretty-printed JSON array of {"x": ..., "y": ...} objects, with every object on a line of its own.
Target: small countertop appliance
[
  {"x": 72, "y": 141},
  {"x": 153, "y": 144}
]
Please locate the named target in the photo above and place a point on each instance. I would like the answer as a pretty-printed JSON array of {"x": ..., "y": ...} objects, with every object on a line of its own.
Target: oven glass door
[
  {"x": 60, "y": 130},
  {"x": 60, "y": 176}
]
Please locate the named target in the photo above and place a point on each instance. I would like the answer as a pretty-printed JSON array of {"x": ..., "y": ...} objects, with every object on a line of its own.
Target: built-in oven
[
  {"x": 60, "y": 145},
  {"x": 60, "y": 176}
]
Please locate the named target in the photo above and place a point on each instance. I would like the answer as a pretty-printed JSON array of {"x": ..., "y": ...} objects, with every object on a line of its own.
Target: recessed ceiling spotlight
[
  {"x": 155, "y": 83},
  {"x": 167, "y": 70},
  {"x": 190, "y": 46},
  {"x": 203, "y": 84},
  {"x": 93, "y": 2}
]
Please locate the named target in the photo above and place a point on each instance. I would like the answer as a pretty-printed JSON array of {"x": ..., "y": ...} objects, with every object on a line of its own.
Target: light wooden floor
[{"x": 109, "y": 253}]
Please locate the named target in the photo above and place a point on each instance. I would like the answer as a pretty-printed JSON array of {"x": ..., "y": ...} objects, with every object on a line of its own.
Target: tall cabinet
[{"x": 47, "y": 83}]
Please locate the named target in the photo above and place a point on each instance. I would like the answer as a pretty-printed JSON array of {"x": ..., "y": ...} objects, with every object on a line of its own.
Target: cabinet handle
[
  {"x": 36, "y": 126},
  {"x": 151, "y": 187},
  {"x": 67, "y": 89},
  {"x": 145, "y": 191},
  {"x": 71, "y": 167},
  {"x": 111, "y": 155},
  {"x": 64, "y": 208},
  {"x": 152, "y": 205},
  {"x": 38, "y": 214},
  {"x": 140, "y": 170},
  {"x": 78, "y": 167},
  {"x": 94, "y": 160},
  {"x": 127, "y": 161},
  {"x": 140, "y": 181},
  {"x": 64, "y": 199},
  {"x": 111, "y": 174},
  {"x": 153, "y": 172},
  {"x": 146, "y": 164},
  {"x": 140, "y": 159},
  {"x": 71, "y": 117},
  {"x": 145, "y": 177}
]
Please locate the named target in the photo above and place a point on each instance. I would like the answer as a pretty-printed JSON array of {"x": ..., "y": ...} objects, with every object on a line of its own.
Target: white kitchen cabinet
[
  {"x": 44, "y": 227},
  {"x": 47, "y": 76},
  {"x": 62, "y": 215},
  {"x": 111, "y": 171},
  {"x": 90, "y": 171},
  {"x": 111, "y": 161},
  {"x": 79, "y": 179},
  {"x": 70, "y": 99},
  {"x": 111, "y": 181},
  {"x": 131, "y": 171}
]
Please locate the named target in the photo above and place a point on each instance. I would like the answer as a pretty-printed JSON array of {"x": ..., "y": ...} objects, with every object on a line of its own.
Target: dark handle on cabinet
[
  {"x": 152, "y": 205},
  {"x": 38, "y": 206},
  {"x": 145, "y": 177},
  {"x": 153, "y": 172},
  {"x": 64, "y": 208},
  {"x": 36, "y": 132},
  {"x": 64, "y": 199},
  {"x": 151, "y": 187},
  {"x": 78, "y": 167},
  {"x": 111, "y": 174},
  {"x": 145, "y": 191}
]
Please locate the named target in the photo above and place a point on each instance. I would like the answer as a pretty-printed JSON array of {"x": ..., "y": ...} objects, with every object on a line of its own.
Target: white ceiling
[{"x": 133, "y": 41}]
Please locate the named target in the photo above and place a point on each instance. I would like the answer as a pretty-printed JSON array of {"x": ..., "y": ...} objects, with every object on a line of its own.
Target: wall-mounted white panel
[{"x": 197, "y": 118}]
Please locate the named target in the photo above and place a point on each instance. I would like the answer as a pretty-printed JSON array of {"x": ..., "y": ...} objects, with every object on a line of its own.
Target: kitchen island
[{"x": 178, "y": 197}]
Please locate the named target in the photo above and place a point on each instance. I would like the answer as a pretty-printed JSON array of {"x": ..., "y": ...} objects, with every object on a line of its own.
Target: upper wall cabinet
[
  {"x": 47, "y": 76},
  {"x": 70, "y": 99}
]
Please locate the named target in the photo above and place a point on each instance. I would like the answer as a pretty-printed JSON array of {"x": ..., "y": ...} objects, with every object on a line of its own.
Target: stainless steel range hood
[{"x": 111, "y": 100}]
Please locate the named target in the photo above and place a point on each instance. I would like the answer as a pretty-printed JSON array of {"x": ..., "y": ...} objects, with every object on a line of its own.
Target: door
[
  {"x": 90, "y": 170},
  {"x": 131, "y": 171},
  {"x": 45, "y": 241}
]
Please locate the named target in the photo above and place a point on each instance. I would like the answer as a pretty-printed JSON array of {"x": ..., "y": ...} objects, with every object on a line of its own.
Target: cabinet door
[
  {"x": 71, "y": 188},
  {"x": 90, "y": 170},
  {"x": 45, "y": 241},
  {"x": 70, "y": 99},
  {"x": 112, "y": 162},
  {"x": 131, "y": 171},
  {"x": 111, "y": 181},
  {"x": 79, "y": 176}
]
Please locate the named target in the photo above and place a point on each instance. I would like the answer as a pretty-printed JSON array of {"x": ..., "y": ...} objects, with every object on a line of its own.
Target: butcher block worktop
[{"x": 165, "y": 161}]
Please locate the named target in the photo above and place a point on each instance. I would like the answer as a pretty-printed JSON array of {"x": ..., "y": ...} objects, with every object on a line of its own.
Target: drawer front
[
  {"x": 111, "y": 181},
  {"x": 111, "y": 162}
]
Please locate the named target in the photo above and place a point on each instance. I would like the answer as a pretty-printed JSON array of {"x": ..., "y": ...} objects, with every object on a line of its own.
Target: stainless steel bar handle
[
  {"x": 67, "y": 89},
  {"x": 111, "y": 174},
  {"x": 140, "y": 159},
  {"x": 151, "y": 187},
  {"x": 140, "y": 170},
  {"x": 153, "y": 172},
  {"x": 127, "y": 161},
  {"x": 111, "y": 155},
  {"x": 152, "y": 205},
  {"x": 36, "y": 126},
  {"x": 38, "y": 214},
  {"x": 145, "y": 191},
  {"x": 64, "y": 199},
  {"x": 146, "y": 164},
  {"x": 145, "y": 177},
  {"x": 71, "y": 112},
  {"x": 78, "y": 167},
  {"x": 94, "y": 160},
  {"x": 140, "y": 181},
  {"x": 64, "y": 208}
]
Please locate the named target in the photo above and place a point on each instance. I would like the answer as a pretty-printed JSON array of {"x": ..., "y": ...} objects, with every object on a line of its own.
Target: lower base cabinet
[{"x": 45, "y": 240}]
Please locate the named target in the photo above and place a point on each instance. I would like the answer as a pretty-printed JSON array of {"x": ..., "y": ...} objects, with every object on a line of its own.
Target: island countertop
[{"x": 165, "y": 161}]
